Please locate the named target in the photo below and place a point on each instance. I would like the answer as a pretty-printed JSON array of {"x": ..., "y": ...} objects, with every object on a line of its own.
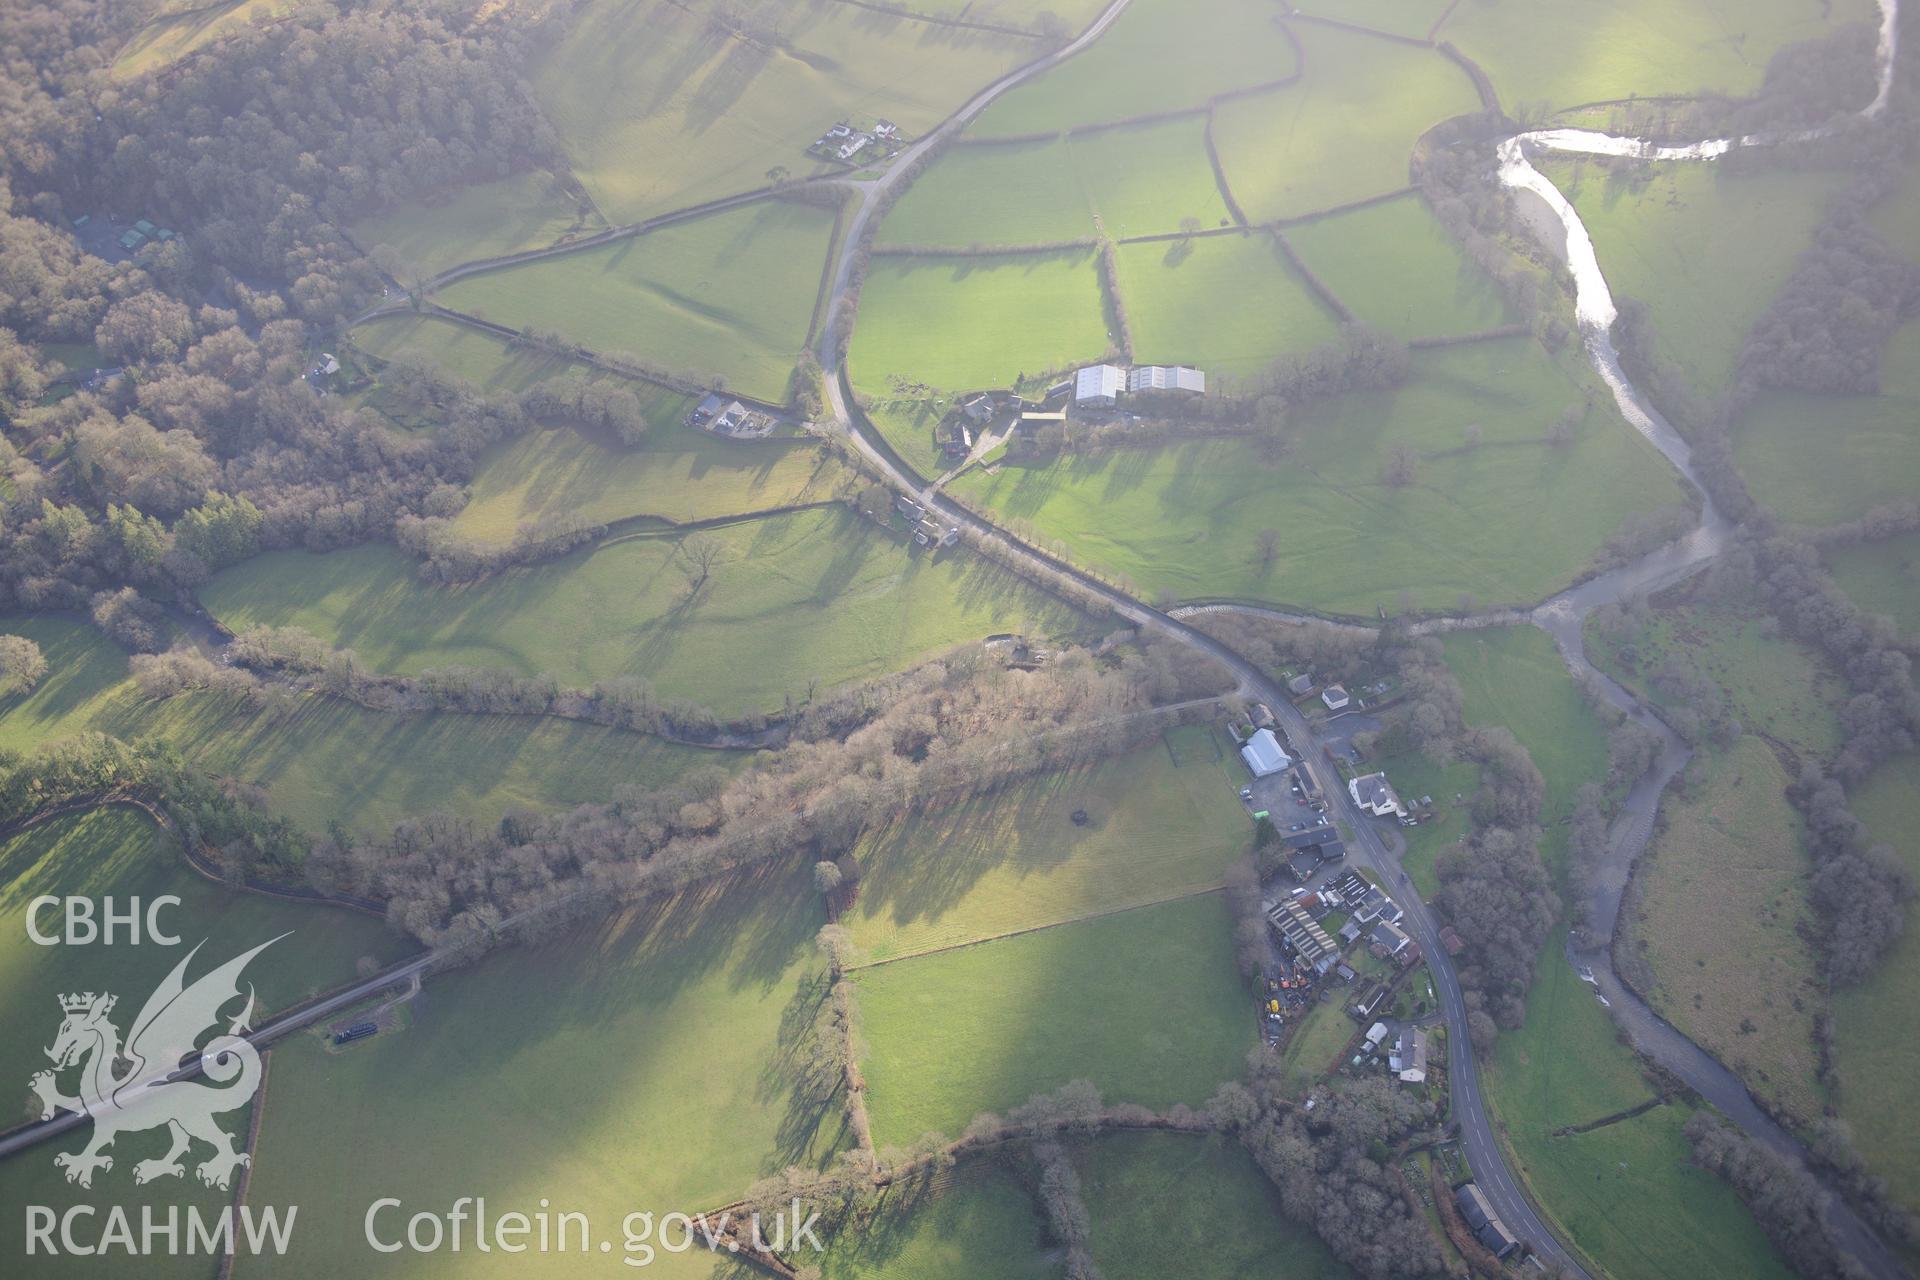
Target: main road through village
[{"x": 1561, "y": 617}]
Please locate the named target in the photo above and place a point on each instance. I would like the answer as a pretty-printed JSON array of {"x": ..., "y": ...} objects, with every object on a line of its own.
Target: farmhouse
[
  {"x": 1308, "y": 940},
  {"x": 1336, "y": 697},
  {"x": 1373, "y": 794},
  {"x": 1487, "y": 1228},
  {"x": 1167, "y": 377},
  {"x": 1263, "y": 754},
  {"x": 909, "y": 508},
  {"x": 931, "y": 533},
  {"x": 977, "y": 407},
  {"x": 1098, "y": 385}
]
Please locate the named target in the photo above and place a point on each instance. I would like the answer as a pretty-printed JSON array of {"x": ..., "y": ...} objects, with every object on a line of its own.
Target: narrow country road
[{"x": 1562, "y": 617}]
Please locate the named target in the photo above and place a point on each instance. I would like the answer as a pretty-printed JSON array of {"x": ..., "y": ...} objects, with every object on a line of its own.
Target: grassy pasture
[
  {"x": 1819, "y": 460},
  {"x": 1704, "y": 248},
  {"x": 1396, "y": 268},
  {"x": 675, "y": 473},
  {"x": 1882, "y": 578},
  {"x": 662, "y": 105},
  {"x": 1870, "y": 1045},
  {"x": 1398, "y": 17},
  {"x": 1165, "y": 1204},
  {"x": 976, "y": 1223},
  {"x": 958, "y": 324},
  {"x": 643, "y": 1063},
  {"x": 1228, "y": 304},
  {"x": 1514, "y": 677},
  {"x": 321, "y": 759},
  {"x": 1145, "y": 1004},
  {"x": 1140, "y": 180},
  {"x": 1560, "y": 53},
  {"x": 907, "y": 424},
  {"x": 1722, "y": 916},
  {"x": 1344, "y": 131},
  {"x": 179, "y": 29},
  {"x": 1627, "y": 1193},
  {"x": 488, "y": 362},
  {"x": 1323, "y": 1033},
  {"x": 122, "y": 853},
  {"x": 1775, "y": 685},
  {"x": 819, "y": 597},
  {"x": 525, "y": 211},
  {"x": 1508, "y": 522},
  {"x": 1014, "y": 859},
  {"x": 1159, "y": 56},
  {"x": 1416, "y": 775},
  {"x": 730, "y": 295}
]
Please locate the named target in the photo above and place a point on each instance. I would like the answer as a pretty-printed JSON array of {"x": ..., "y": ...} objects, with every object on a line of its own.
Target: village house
[
  {"x": 1409, "y": 1056},
  {"x": 1373, "y": 794},
  {"x": 1336, "y": 697}
]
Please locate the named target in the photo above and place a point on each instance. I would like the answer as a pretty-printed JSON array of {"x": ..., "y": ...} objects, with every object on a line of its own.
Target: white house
[
  {"x": 1375, "y": 795},
  {"x": 1263, "y": 754},
  {"x": 1098, "y": 384},
  {"x": 1336, "y": 697}
]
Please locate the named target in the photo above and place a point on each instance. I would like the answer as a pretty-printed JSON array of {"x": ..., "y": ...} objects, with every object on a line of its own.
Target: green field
[
  {"x": 1142, "y": 180},
  {"x": 1552, "y": 54},
  {"x": 1322, "y": 1034},
  {"x": 1869, "y": 1020},
  {"x": 1706, "y": 249},
  {"x": 665, "y": 104},
  {"x": 728, "y": 296},
  {"x": 1817, "y": 460},
  {"x": 1344, "y": 132},
  {"x": 1775, "y": 685},
  {"x": 180, "y": 27},
  {"x": 1167, "y": 1204},
  {"x": 1510, "y": 521},
  {"x": 1014, "y": 859},
  {"x": 1882, "y": 578},
  {"x": 642, "y": 1064},
  {"x": 1628, "y": 1193},
  {"x": 961, "y": 324},
  {"x": 1514, "y": 677},
  {"x": 508, "y": 215},
  {"x": 1146, "y": 1004},
  {"x": 491, "y": 364},
  {"x": 792, "y": 603},
  {"x": 676, "y": 473},
  {"x": 321, "y": 759},
  {"x": 1400, "y": 17},
  {"x": 1228, "y": 304},
  {"x": 120, "y": 852},
  {"x": 1159, "y": 56},
  {"x": 1396, "y": 269},
  {"x": 1415, "y": 775},
  {"x": 977, "y": 1223},
  {"x": 1723, "y": 919}
]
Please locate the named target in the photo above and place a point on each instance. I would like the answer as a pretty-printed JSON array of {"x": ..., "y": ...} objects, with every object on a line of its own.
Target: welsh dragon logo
[{"x": 141, "y": 1096}]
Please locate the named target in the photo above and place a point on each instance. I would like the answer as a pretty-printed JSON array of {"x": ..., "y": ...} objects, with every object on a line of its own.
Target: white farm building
[
  {"x": 1099, "y": 384},
  {"x": 1264, "y": 755},
  {"x": 1167, "y": 377}
]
